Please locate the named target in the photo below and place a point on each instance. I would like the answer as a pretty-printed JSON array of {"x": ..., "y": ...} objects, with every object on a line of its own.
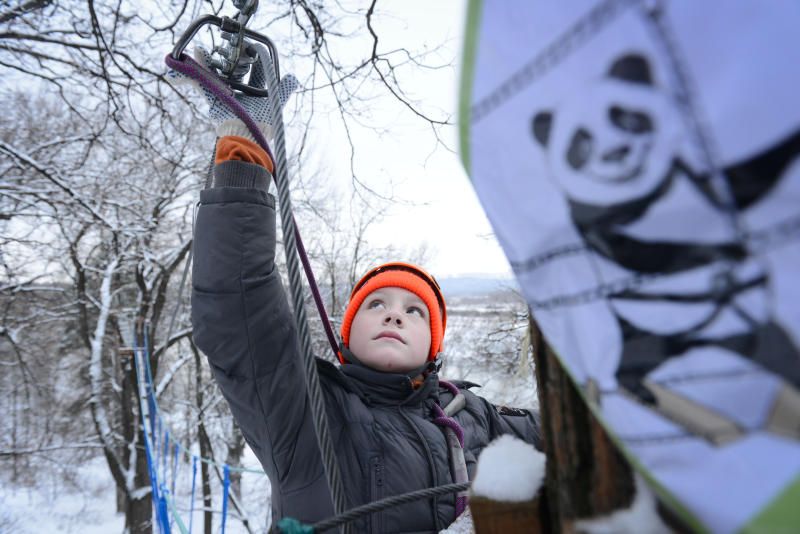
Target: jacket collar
[{"x": 377, "y": 388}]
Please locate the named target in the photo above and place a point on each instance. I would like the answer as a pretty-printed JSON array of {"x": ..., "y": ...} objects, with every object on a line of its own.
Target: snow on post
[{"x": 509, "y": 475}]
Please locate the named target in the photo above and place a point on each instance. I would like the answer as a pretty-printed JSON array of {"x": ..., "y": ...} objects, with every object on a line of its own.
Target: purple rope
[
  {"x": 326, "y": 324},
  {"x": 448, "y": 422},
  {"x": 444, "y": 421},
  {"x": 461, "y": 504},
  {"x": 214, "y": 85},
  {"x": 450, "y": 387}
]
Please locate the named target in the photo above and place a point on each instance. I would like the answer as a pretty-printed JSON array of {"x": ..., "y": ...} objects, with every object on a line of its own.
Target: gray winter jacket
[{"x": 382, "y": 427}]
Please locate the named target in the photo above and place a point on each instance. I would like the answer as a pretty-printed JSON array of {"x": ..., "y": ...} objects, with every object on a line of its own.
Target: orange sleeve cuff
[{"x": 233, "y": 147}]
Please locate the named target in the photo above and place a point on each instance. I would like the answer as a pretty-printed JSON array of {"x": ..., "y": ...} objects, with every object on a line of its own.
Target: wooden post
[
  {"x": 494, "y": 517},
  {"x": 586, "y": 474}
]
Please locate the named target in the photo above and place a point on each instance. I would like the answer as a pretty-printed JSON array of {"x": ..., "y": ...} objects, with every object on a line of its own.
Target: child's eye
[
  {"x": 414, "y": 310},
  {"x": 377, "y": 303}
]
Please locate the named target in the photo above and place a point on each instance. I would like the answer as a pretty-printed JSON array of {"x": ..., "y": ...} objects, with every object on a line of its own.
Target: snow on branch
[
  {"x": 170, "y": 374},
  {"x": 53, "y": 176}
]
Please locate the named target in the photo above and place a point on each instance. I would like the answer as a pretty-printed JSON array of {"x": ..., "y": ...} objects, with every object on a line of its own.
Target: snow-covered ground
[
  {"x": 88, "y": 504},
  {"x": 49, "y": 504}
]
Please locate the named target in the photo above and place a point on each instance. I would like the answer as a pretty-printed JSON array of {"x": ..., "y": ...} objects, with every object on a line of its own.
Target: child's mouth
[{"x": 388, "y": 334}]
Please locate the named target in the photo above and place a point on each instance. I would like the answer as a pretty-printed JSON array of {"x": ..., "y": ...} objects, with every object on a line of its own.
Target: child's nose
[{"x": 393, "y": 315}]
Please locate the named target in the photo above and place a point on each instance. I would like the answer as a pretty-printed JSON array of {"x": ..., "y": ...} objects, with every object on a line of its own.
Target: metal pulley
[
  {"x": 232, "y": 60},
  {"x": 231, "y": 63}
]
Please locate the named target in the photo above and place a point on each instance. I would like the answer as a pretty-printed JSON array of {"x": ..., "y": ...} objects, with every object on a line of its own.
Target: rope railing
[{"x": 162, "y": 449}]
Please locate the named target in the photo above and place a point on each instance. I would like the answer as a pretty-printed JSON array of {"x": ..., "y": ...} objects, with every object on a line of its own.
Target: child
[{"x": 384, "y": 402}]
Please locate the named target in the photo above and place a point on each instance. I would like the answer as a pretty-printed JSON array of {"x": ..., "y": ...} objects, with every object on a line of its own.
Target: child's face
[{"x": 391, "y": 331}]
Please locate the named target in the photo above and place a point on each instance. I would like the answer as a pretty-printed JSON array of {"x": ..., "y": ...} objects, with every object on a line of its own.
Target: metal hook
[{"x": 231, "y": 64}]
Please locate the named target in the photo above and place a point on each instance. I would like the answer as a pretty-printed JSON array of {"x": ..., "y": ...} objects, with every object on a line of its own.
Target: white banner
[{"x": 639, "y": 164}]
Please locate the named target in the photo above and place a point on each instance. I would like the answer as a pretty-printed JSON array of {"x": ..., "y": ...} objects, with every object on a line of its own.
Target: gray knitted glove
[{"x": 257, "y": 107}]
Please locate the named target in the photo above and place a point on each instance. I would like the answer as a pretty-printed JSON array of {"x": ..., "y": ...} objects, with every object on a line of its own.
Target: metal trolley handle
[{"x": 226, "y": 24}]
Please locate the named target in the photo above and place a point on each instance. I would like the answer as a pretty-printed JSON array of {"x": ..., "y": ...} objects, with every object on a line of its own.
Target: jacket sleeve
[
  {"x": 242, "y": 322},
  {"x": 523, "y": 424}
]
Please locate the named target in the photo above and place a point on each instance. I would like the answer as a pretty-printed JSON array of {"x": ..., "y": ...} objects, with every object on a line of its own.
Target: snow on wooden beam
[{"x": 509, "y": 476}]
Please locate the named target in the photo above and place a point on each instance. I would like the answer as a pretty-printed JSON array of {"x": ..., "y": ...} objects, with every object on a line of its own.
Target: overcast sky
[{"x": 446, "y": 213}]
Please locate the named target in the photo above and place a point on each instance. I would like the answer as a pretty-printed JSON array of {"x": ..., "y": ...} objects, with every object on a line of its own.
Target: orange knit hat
[{"x": 405, "y": 276}]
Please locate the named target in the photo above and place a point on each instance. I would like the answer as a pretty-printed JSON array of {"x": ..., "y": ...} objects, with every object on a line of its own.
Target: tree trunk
[
  {"x": 235, "y": 445},
  {"x": 139, "y": 506},
  {"x": 202, "y": 438},
  {"x": 139, "y": 517},
  {"x": 205, "y": 452},
  {"x": 586, "y": 475}
]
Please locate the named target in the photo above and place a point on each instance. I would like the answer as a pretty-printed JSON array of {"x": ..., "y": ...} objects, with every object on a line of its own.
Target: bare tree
[
  {"x": 99, "y": 167},
  {"x": 113, "y": 229}
]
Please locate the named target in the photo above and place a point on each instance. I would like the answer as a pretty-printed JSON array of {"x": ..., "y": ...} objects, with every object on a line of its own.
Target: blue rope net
[{"x": 162, "y": 448}]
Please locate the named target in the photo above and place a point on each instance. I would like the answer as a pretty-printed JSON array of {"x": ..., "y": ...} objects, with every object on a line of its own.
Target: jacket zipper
[
  {"x": 431, "y": 467},
  {"x": 377, "y": 474}
]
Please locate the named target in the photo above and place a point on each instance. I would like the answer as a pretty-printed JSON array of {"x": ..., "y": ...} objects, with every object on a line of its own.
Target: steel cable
[
  {"x": 388, "y": 502},
  {"x": 315, "y": 395}
]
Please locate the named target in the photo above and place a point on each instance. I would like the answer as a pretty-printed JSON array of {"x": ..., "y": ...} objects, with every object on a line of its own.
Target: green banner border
[
  {"x": 468, "y": 53},
  {"x": 780, "y": 516}
]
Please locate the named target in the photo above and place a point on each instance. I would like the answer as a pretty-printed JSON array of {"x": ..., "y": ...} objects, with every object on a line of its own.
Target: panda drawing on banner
[{"x": 695, "y": 307}]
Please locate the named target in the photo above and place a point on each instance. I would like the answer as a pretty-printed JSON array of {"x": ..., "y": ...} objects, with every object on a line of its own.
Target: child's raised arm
[{"x": 240, "y": 314}]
